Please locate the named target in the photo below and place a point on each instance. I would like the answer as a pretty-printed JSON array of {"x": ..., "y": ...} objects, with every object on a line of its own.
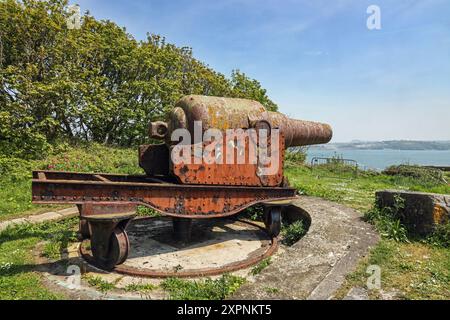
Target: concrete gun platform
[{"x": 315, "y": 267}]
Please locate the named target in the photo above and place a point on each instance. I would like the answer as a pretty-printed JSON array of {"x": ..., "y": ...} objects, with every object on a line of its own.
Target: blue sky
[{"x": 317, "y": 58}]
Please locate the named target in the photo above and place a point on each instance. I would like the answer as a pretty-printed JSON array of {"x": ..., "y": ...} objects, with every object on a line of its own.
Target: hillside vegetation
[{"x": 96, "y": 83}]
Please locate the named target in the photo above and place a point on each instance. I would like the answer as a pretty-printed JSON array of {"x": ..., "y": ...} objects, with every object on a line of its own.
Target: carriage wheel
[
  {"x": 272, "y": 221},
  {"x": 83, "y": 230},
  {"x": 117, "y": 251}
]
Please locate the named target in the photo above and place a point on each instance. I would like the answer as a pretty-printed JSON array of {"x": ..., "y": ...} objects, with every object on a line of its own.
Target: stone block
[{"x": 421, "y": 211}]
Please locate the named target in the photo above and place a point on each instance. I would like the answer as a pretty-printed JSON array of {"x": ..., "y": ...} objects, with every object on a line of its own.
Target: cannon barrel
[
  {"x": 232, "y": 113},
  {"x": 300, "y": 132}
]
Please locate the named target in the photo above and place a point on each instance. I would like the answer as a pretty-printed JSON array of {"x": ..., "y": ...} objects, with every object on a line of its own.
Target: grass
[
  {"x": 207, "y": 289},
  {"x": 133, "y": 287},
  {"x": 387, "y": 221},
  {"x": 99, "y": 283},
  {"x": 413, "y": 270},
  {"x": 356, "y": 192},
  {"x": 440, "y": 236},
  {"x": 18, "y": 278}
]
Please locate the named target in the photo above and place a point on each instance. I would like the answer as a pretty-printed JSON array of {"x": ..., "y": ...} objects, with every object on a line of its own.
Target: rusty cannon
[{"x": 209, "y": 164}]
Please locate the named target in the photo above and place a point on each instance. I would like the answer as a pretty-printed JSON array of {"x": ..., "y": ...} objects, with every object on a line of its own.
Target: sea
[{"x": 380, "y": 159}]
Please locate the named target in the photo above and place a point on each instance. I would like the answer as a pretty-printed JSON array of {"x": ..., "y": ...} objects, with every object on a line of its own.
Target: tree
[{"x": 244, "y": 87}]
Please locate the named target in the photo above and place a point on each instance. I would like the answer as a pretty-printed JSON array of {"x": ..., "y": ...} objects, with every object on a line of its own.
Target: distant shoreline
[{"x": 404, "y": 145}]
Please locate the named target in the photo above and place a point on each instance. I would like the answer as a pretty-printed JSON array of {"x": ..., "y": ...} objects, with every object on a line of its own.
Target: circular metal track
[{"x": 155, "y": 273}]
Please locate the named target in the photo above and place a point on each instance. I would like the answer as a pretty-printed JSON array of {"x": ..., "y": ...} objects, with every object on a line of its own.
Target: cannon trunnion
[{"x": 204, "y": 181}]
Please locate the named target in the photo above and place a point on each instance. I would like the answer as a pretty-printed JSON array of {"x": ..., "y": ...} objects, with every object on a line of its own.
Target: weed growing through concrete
[
  {"x": 100, "y": 284},
  {"x": 134, "y": 287},
  {"x": 207, "y": 289},
  {"x": 261, "y": 266},
  {"x": 271, "y": 290}
]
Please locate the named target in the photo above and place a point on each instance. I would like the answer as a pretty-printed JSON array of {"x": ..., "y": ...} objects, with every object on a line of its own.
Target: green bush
[
  {"x": 422, "y": 175},
  {"x": 295, "y": 156},
  {"x": 254, "y": 213}
]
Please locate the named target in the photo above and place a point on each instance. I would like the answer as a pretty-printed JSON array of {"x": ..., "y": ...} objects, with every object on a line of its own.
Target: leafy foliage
[
  {"x": 295, "y": 156},
  {"x": 293, "y": 232},
  {"x": 96, "y": 83},
  {"x": 440, "y": 236},
  {"x": 387, "y": 221}
]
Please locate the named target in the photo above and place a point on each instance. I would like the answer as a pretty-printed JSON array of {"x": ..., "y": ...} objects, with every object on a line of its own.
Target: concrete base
[
  {"x": 214, "y": 243},
  {"x": 315, "y": 267}
]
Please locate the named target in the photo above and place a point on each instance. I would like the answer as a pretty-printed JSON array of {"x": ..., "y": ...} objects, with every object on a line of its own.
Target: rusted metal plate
[
  {"x": 238, "y": 173},
  {"x": 188, "y": 201},
  {"x": 91, "y": 209}
]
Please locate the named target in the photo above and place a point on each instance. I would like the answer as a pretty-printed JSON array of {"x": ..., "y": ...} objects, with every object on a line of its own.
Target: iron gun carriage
[{"x": 184, "y": 181}]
